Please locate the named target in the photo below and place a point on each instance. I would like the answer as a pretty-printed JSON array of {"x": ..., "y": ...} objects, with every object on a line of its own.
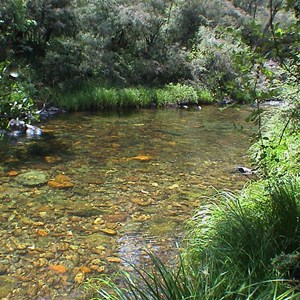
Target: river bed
[{"x": 98, "y": 190}]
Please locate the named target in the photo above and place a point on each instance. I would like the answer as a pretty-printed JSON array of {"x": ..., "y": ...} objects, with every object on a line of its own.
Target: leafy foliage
[
  {"x": 15, "y": 102},
  {"x": 221, "y": 46},
  {"x": 177, "y": 93},
  {"x": 277, "y": 149}
]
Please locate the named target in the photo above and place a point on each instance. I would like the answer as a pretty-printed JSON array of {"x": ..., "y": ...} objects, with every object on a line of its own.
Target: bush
[
  {"x": 276, "y": 152},
  {"x": 63, "y": 62},
  {"x": 176, "y": 93},
  {"x": 15, "y": 101},
  {"x": 205, "y": 96},
  {"x": 211, "y": 61}
]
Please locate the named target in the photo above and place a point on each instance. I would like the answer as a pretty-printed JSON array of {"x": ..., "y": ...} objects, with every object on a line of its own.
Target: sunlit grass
[
  {"x": 244, "y": 234},
  {"x": 159, "y": 282},
  {"x": 188, "y": 283},
  {"x": 91, "y": 96},
  {"x": 94, "y": 96}
]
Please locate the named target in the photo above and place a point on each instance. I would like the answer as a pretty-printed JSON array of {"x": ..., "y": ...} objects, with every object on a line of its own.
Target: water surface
[{"x": 114, "y": 185}]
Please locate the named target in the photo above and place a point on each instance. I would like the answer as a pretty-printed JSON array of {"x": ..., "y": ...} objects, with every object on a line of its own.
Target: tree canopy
[{"x": 231, "y": 48}]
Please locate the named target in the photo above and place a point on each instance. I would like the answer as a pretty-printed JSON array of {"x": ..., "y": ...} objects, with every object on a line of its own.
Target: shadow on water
[{"x": 16, "y": 151}]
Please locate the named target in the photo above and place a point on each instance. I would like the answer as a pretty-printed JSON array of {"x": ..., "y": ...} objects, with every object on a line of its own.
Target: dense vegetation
[
  {"x": 82, "y": 54},
  {"x": 97, "y": 54}
]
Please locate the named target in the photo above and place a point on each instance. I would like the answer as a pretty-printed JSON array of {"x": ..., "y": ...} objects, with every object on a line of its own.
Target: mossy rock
[
  {"x": 32, "y": 178},
  {"x": 161, "y": 227},
  {"x": 99, "y": 239},
  {"x": 7, "y": 284}
]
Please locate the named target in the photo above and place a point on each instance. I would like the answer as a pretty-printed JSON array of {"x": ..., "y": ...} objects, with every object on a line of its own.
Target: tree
[
  {"x": 15, "y": 28},
  {"x": 53, "y": 18}
]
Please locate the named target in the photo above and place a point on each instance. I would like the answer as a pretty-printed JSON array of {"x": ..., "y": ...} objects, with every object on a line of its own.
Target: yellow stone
[
  {"x": 79, "y": 278},
  {"x": 60, "y": 185},
  {"x": 138, "y": 217},
  {"x": 114, "y": 259},
  {"x": 12, "y": 173},
  {"x": 142, "y": 158},
  {"x": 108, "y": 231},
  {"x": 174, "y": 186},
  {"x": 42, "y": 232},
  {"x": 52, "y": 159},
  {"x": 61, "y": 181},
  {"x": 58, "y": 268},
  {"x": 140, "y": 202},
  {"x": 84, "y": 269}
]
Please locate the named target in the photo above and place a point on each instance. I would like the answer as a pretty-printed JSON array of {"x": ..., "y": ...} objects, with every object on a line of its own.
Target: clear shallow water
[{"x": 112, "y": 186}]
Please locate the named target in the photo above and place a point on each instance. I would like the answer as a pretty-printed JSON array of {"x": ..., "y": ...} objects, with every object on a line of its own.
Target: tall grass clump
[
  {"x": 159, "y": 282},
  {"x": 243, "y": 235},
  {"x": 92, "y": 96},
  {"x": 176, "y": 94}
]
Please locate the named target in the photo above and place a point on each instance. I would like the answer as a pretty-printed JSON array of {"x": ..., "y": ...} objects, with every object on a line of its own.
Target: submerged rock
[
  {"x": 98, "y": 239},
  {"x": 141, "y": 158},
  {"x": 108, "y": 231},
  {"x": 61, "y": 181},
  {"x": 16, "y": 125},
  {"x": 48, "y": 112},
  {"x": 7, "y": 284},
  {"x": 161, "y": 227},
  {"x": 113, "y": 259},
  {"x": 18, "y": 128},
  {"x": 32, "y": 178},
  {"x": 85, "y": 212}
]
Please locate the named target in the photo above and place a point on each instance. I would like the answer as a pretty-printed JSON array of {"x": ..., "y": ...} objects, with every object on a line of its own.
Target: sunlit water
[{"x": 114, "y": 186}]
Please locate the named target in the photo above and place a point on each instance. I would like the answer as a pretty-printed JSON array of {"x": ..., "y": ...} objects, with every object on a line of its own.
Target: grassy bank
[
  {"x": 94, "y": 96},
  {"x": 244, "y": 246},
  {"x": 238, "y": 246}
]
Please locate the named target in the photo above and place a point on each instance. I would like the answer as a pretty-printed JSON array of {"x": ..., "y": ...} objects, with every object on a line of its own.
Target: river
[{"x": 97, "y": 190}]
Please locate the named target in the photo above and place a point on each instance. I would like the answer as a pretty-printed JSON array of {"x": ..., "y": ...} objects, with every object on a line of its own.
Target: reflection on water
[{"x": 100, "y": 188}]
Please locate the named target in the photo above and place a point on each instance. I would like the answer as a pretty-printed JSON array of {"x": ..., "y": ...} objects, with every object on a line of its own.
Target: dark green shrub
[{"x": 15, "y": 101}]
